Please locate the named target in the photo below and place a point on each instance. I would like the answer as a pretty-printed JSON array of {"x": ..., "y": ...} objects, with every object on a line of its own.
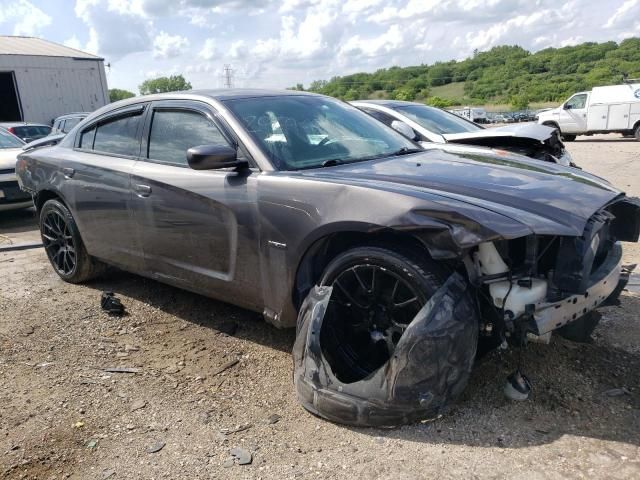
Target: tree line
[{"x": 504, "y": 74}]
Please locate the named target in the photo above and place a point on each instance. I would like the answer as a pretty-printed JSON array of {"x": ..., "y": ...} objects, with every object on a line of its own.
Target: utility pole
[{"x": 228, "y": 76}]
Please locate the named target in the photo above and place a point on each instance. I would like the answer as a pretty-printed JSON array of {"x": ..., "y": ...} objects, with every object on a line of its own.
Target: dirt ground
[{"x": 177, "y": 415}]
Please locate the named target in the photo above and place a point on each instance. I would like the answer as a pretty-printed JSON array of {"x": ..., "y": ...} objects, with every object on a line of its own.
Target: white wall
[{"x": 53, "y": 86}]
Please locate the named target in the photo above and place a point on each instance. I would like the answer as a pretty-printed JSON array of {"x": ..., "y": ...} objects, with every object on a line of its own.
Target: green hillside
[{"x": 502, "y": 75}]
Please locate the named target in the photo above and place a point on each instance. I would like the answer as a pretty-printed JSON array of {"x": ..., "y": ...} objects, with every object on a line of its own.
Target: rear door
[
  {"x": 98, "y": 185},
  {"x": 198, "y": 228}
]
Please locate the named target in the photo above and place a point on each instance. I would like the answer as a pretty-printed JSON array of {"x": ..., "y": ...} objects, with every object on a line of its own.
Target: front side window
[
  {"x": 118, "y": 136},
  {"x": 173, "y": 132},
  {"x": 298, "y": 132},
  {"x": 577, "y": 101},
  {"x": 436, "y": 120}
]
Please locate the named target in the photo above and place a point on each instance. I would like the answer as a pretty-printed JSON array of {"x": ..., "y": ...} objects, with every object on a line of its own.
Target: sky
[{"x": 277, "y": 44}]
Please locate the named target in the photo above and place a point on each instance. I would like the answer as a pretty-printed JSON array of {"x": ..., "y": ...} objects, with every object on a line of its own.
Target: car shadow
[
  {"x": 194, "y": 308},
  {"x": 602, "y": 140},
  {"x": 580, "y": 390},
  {"x": 18, "y": 221},
  {"x": 589, "y": 390}
]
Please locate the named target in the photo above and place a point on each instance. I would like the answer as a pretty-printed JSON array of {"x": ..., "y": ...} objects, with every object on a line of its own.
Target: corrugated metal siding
[
  {"x": 12, "y": 45},
  {"x": 52, "y": 86}
]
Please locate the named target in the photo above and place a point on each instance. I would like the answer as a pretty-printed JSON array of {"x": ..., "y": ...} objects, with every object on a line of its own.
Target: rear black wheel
[
  {"x": 63, "y": 244},
  {"x": 376, "y": 295},
  {"x": 636, "y": 133}
]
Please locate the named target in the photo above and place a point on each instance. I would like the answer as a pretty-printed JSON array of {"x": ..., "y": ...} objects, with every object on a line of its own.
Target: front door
[
  {"x": 573, "y": 116},
  {"x": 198, "y": 228}
]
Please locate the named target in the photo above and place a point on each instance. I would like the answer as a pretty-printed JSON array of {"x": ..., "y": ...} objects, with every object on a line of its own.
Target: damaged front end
[
  {"x": 429, "y": 365},
  {"x": 538, "y": 284},
  {"x": 502, "y": 291},
  {"x": 531, "y": 140}
]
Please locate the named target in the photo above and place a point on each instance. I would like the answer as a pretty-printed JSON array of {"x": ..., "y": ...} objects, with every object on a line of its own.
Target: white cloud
[
  {"x": 27, "y": 19},
  {"x": 169, "y": 46},
  {"x": 116, "y": 27},
  {"x": 626, "y": 15},
  {"x": 209, "y": 50}
]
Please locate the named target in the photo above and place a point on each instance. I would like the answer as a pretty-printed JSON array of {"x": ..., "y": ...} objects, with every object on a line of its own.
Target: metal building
[{"x": 40, "y": 80}]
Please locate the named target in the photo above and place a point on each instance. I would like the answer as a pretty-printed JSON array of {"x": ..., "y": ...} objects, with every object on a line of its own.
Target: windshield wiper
[
  {"x": 332, "y": 162},
  {"x": 406, "y": 150}
]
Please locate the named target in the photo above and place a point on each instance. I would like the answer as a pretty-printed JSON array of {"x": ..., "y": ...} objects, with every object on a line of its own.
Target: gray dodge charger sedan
[{"x": 396, "y": 264}]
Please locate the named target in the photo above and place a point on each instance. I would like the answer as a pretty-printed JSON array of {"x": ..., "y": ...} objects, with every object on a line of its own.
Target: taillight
[{"x": 11, "y": 130}]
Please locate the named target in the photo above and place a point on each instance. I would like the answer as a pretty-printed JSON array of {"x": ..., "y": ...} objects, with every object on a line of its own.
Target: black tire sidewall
[{"x": 81, "y": 257}]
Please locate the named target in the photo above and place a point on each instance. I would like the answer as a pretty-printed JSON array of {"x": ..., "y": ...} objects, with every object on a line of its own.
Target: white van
[{"x": 611, "y": 109}]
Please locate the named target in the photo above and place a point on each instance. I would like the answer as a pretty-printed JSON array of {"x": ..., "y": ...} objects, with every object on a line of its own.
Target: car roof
[
  {"x": 220, "y": 94},
  {"x": 389, "y": 103},
  {"x": 71, "y": 115},
  {"x": 22, "y": 124},
  {"x": 217, "y": 94}
]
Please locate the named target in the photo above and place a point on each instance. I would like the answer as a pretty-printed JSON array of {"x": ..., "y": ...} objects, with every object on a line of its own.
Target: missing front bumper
[{"x": 603, "y": 282}]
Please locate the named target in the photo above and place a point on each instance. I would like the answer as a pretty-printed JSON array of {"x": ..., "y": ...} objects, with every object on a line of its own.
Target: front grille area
[
  {"x": 568, "y": 263},
  {"x": 578, "y": 257},
  {"x": 12, "y": 193}
]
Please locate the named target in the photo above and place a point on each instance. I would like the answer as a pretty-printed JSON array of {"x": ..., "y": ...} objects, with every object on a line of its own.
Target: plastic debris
[{"x": 111, "y": 304}]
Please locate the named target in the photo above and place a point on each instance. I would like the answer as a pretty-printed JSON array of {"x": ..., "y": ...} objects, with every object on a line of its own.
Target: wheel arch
[
  {"x": 552, "y": 124},
  {"x": 47, "y": 194},
  {"x": 324, "y": 249}
]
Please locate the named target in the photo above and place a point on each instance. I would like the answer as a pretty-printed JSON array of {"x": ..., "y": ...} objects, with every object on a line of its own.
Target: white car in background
[
  {"x": 430, "y": 126},
  {"x": 11, "y": 197}
]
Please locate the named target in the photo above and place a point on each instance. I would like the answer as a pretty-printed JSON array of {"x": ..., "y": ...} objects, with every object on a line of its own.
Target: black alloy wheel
[
  {"x": 376, "y": 295},
  {"x": 63, "y": 244},
  {"x": 59, "y": 243}
]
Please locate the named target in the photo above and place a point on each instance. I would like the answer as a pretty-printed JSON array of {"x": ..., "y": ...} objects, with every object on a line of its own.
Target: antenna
[{"x": 228, "y": 76}]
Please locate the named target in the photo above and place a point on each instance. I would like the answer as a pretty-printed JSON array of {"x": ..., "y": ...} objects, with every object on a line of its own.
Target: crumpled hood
[
  {"x": 8, "y": 157},
  {"x": 546, "y": 197},
  {"x": 532, "y": 131}
]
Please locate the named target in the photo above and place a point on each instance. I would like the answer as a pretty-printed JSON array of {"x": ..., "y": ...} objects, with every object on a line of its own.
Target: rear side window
[
  {"x": 69, "y": 123},
  {"x": 173, "y": 132},
  {"x": 118, "y": 136}
]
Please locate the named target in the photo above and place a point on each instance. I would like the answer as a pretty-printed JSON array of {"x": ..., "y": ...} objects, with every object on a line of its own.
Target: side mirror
[
  {"x": 567, "y": 106},
  {"x": 213, "y": 157},
  {"x": 403, "y": 129}
]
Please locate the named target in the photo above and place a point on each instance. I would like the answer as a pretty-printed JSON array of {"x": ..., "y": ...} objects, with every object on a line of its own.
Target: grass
[{"x": 452, "y": 91}]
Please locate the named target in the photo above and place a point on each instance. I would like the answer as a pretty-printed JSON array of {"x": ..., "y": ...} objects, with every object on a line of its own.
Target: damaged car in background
[
  {"x": 431, "y": 127},
  {"x": 395, "y": 264}
]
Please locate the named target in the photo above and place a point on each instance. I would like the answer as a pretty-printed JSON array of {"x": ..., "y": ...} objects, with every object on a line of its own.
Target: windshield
[
  {"x": 9, "y": 141},
  {"x": 306, "y": 132},
  {"x": 32, "y": 132},
  {"x": 436, "y": 120}
]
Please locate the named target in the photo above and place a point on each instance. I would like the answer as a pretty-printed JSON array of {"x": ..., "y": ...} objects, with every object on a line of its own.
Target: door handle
[
  {"x": 68, "y": 172},
  {"x": 143, "y": 190}
]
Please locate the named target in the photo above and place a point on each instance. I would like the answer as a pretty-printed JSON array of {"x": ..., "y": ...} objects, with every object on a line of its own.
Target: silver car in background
[{"x": 430, "y": 127}]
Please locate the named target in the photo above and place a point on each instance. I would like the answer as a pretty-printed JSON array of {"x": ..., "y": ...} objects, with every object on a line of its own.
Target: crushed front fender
[{"x": 429, "y": 367}]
